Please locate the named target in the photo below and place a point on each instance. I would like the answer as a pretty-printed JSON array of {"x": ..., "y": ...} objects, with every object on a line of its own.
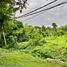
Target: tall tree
[
  {"x": 7, "y": 10},
  {"x": 54, "y": 25},
  {"x": 43, "y": 28}
]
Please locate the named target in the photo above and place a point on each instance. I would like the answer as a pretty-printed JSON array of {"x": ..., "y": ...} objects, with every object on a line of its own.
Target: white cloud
[{"x": 58, "y": 14}]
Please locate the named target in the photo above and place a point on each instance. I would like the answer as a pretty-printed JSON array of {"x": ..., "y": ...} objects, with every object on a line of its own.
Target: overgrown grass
[
  {"x": 55, "y": 47},
  {"x": 20, "y": 59}
]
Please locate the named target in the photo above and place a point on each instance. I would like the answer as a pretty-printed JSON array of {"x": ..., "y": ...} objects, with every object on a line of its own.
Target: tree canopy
[{"x": 7, "y": 10}]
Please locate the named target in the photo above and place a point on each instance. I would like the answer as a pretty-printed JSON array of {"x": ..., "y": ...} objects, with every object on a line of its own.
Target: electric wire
[
  {"x": 46, "y": 9},
  {"x": 36, "y": 9}
]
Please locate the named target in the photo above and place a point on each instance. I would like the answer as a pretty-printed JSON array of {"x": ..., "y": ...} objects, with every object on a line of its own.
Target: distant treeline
[{"x": 15, "y": 32}]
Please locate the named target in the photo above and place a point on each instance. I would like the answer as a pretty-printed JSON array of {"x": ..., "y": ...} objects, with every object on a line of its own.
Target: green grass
[
  {"x": 20, "y": 59},
  {"x": 55, "y": 47}
]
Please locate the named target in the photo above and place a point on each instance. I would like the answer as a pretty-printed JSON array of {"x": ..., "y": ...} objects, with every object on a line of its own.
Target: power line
[
  {"x": 42, "y": 11},
  {"x": 45, "y": 9},
  {"x": 36, "y": 9}
]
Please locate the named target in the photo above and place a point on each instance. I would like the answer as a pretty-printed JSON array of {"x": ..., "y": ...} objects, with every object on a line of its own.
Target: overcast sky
[{"x": 57, "y": 15}]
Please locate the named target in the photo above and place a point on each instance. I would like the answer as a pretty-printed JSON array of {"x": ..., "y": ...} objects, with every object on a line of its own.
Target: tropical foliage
[{"x": 29, "y": 46}]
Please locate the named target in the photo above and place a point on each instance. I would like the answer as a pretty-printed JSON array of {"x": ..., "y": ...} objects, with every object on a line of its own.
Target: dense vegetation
[
  {"x": 49, "y": 44},
  {"x": 29, "y": 46}
]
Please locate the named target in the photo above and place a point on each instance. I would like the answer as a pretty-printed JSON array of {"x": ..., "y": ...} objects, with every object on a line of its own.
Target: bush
[
  {"x": 41, "y": 54},
  {"x": 53, "y": 53},
  {"x": 23, "y": 45}
]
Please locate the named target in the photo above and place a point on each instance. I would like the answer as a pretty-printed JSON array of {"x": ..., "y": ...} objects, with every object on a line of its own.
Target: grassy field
[
  {"x": 20, "y": 59},
  {"x": 54, "y": 47}
]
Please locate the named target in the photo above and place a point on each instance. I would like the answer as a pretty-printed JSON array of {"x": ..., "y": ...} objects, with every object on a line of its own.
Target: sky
[{"x": 57, "y": 14}]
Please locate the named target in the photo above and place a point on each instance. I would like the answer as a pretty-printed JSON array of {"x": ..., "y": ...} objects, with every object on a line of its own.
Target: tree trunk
[
  {"x": 4, "y": 38},
  {"x": 5, "y": 42}
]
